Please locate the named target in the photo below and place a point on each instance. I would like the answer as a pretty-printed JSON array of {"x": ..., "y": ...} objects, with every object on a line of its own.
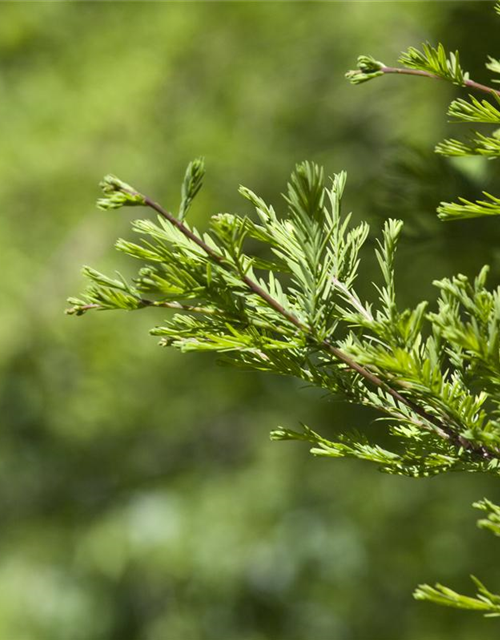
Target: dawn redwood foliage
[{"x": 276, "y": 292}]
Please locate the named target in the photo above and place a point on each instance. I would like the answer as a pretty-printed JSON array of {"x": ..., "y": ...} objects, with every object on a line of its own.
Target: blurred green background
[{"x": 140, "y": 496}]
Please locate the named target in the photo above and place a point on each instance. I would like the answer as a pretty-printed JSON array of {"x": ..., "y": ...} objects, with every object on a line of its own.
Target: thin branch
[{"x": 426, "y": 74}]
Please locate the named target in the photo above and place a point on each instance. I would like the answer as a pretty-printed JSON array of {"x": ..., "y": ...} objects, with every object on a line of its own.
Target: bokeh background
[{"x": 140, "y": 496}]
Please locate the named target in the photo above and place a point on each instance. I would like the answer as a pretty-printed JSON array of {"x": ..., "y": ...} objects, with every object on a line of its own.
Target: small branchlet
[
  {"x": 484, "y": 602},
  {"x": 193, "y": 181},
  {"x": 467, "y": 209}
]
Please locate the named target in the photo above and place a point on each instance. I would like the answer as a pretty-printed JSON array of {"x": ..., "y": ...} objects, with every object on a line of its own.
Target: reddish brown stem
[{"x": 426, "y": 74}]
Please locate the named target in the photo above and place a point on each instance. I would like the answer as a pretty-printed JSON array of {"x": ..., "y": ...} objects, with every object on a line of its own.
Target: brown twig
[{"x": 426, "y": 74}]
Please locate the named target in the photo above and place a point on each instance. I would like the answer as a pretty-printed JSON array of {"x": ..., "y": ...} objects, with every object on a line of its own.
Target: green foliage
[
  {"x": 413, "y": 463},
  {"x": 485, "y": 602},
  {"x": 481, "y": 145},
  {"x": 475, "y": 110},
  {"x": 436, "y": 62},
  {"x": 191, "y": 185},
  {"x": 467, "y": 209}
]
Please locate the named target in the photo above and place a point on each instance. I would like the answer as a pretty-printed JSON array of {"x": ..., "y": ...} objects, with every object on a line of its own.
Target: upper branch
[{"x": 431, "y": 62}]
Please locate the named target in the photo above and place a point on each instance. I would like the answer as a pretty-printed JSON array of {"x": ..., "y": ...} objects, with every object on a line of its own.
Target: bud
[
  {"x": 118, "y": 194},
  {"x": 368, "y": 68}
]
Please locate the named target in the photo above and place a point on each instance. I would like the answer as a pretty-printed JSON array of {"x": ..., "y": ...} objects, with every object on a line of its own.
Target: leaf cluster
[{"x": 436, "y": 61}]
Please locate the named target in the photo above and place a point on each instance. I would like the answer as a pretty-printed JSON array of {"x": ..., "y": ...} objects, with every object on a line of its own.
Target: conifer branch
[
  {"x": 124, "y": 194},
  {"x": 436, "y": 64}
]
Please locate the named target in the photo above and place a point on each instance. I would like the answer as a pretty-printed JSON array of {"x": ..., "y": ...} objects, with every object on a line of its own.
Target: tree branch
[{"x": 442, "y": 430}]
